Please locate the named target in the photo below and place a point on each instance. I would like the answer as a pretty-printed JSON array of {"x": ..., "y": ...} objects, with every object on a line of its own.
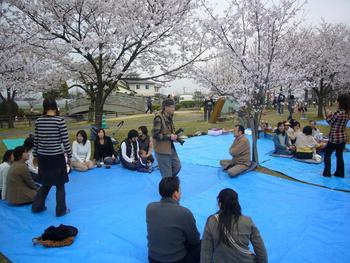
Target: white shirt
[
  {"x": 81, "y": 152},
  {"x": 127, "y": 158},
  {"x": 4, "y": 169},
  {"x": 32, "y": 168}
]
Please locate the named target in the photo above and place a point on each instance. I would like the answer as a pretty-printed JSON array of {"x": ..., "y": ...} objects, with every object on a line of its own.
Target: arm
[
  {"x": 26, "y": 177},
  {"x": 258, "y": 245},
  {"x": 65, "y": 138},
  {"x": 88, "y": 148},
  {"x": 137, "y": 150},
  {"x": 35, "y": 149},
  {"x": 74, "y": 152},
  {"x": 191, "y": 231},
  {"x": 239, "y": 148},
  {"x": 97, "y": 150},
  {"x": 123, "y": 151},
  {"x": 277, "y": 143},
  {"x": 156, "y": 134},
  {"x": 332, "y": 118},
  {"x": 111, "y": 147},
  {"x": 207, "y": 246},
  {"x": 31, "y": 166},
  {"x": 150, "y": 147}
]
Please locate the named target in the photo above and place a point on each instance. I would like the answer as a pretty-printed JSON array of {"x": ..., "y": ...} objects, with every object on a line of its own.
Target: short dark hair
[
  {"x": 49, "y": 104},
  {"x": 83, "y": 134},
  {"x": 29, "y": 143},
  {"x": 133, "y": 134},
  {"x": 344, "y": 102},
  {"x": 169, "y": 185},
  {"x": 17, "y": 152},
  {"x": 144, "y": 130},
  {"x": 307, "y": 130},
  {"x": 240, "y": 128},
  {"x": 7, "y": 156}
]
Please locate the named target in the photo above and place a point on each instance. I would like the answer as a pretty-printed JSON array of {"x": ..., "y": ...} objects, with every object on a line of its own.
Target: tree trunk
[
  {"x": 320, "y": 106},
  {"x": 255, "y": 134},
  {"x": 91, "y": 110},
  {"x": 99, "y": 108}
]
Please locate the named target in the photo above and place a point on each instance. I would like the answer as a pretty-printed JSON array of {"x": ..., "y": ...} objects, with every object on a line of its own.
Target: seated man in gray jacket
[{"x": 171, "y": 228}]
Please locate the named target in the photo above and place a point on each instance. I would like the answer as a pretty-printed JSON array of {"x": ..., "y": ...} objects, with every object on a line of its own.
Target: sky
[{"x": 332, "y": 11}]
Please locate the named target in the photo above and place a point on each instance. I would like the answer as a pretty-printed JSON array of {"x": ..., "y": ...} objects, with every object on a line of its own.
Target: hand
[
  {"x": 69, "y": 162},
  {"x": 328, "y": 112},
  {"x": 173, "y": 137},
  {"x": 35, "y": 161},
  {"x": 292, "y": 147}
]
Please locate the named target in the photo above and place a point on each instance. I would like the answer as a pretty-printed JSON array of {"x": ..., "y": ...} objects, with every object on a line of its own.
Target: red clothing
[{"x": 338, "y": 122}]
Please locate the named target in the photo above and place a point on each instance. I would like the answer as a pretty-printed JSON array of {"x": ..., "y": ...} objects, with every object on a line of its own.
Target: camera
[{"x": 179, "y": 140}]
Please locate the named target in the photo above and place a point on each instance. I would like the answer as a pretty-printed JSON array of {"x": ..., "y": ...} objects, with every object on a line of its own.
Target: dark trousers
[
  {"x": 339, "y": 148},
  {"x": 149, "y": 108},
  {"x": 192, "y": 255},
  {"x": 280, "y": 108},
  {"x": 39, "y": 200},
  {"x": 129, "y": 166},
  {"x": 207, "y": 114}
]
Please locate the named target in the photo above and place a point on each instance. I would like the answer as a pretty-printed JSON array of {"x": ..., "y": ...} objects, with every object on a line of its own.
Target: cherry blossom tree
[
  {"x": 103, "y": 41},
  {"x": 250, "y": 53}
]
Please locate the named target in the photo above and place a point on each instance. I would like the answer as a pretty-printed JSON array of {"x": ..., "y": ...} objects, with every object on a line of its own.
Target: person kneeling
[
  {"x": 129, "y": 151},
  {"x": 306, "y": 145},
  {"x": 240, "y": 151},
  {"x": 171, "y": 228},
  {"x": 21, "y": 188}
]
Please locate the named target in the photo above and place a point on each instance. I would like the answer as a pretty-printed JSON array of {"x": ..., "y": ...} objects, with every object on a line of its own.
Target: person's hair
[
  {"x": 133, "y": 134},
  {"x": 104, "y": 134},
  {"x": 7, "y": 156},
  {"x": 312, "y": 121},
  {"x": 49, "y": 104},
  {"x": 278, "y": 125},
  {"x": 307, "y": 130},
  {"x": 240, "y": 128},
  {"x": 168, "y": 186},
  {"x": 344, "y": 102},
  {"x": 294, "y": 124},
  {"x": 83, "y": 134},
  {"x": 28, "y": 143},
  {"x": 229, "y": 210},
  {"x": 17, "y": 152},
  {"x": 144, "y": 130}
]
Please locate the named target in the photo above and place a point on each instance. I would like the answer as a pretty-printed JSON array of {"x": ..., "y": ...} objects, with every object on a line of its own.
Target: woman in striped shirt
[{"x": 51, "y": 142}]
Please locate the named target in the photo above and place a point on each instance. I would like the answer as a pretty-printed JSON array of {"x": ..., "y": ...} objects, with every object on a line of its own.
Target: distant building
[
  {"x": 186, "y": 97},
  {"x": 144, "y": 87}
]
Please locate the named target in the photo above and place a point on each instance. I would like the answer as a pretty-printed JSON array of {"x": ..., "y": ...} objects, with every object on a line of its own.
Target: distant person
[
  {"x": 291, "y": 105},
  {"x": 21, "y": 188},
  {"x": 281, "y": 141},
  {"x": 146, "y": 142},
  {"x": 227, "y": 234},
  {"x": 4, "y": 169},
  {"x": 129, "y": 151},
  {"x": 81, "y": 152},
  {"x": 50, "y": 134},
  {"x": 163, "y": 135},
  {"x": 171, "y": 228},
  {"x": 33, "y": 167},
  {"x": 104, "y": 149},
  {"x": 208, "y": 108},
  {"x": 143, "y": 164},
  {"x": 280, "y": 102},
  {"x": 337, "y": 135},
  {"x": 240, "y": 152},
  {"x": 149, "y": 105},
  {"x": 306, "y": 145}
]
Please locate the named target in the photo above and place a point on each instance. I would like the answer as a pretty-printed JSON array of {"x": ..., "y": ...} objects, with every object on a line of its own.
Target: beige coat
[
  {"x": 21, "y": 188},
  {"x": 240, "y": 151}
]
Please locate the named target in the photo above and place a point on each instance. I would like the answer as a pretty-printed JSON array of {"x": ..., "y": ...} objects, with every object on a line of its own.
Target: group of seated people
[
  {"x": 290, "y": 140},
  {"x": 19, "y": 170}
]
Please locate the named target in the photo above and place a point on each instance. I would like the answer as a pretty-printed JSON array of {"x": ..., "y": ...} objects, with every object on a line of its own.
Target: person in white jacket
[{"x": 81, "y": 151}]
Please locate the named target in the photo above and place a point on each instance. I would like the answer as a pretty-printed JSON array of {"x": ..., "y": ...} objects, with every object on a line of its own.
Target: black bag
[{"x": 57, "y": 236}]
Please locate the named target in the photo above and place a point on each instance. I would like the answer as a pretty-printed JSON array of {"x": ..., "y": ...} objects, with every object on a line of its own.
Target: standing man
[
  {"x": 171, "y": 228},
  {"x": 163, "y": 140},
  {"x": 149, "y": 105},
  {"x": 240, "y": 151},
  {"x": 208, "y": 107},
  {"x": 280, "y": 102},
  {"x": 290, "y": 106}
]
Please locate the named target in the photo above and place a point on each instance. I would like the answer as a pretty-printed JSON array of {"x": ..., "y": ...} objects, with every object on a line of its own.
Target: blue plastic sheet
[
  {"x": 325, "y": 123},
  {"x": 298, "y": 222}
]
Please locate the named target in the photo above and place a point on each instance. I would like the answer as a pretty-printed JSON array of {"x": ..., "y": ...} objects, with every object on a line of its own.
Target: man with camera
[{"x": 164, "y": 136}]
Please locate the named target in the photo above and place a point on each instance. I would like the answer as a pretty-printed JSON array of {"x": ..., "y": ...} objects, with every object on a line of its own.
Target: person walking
[{"x": 149, "y": 105}]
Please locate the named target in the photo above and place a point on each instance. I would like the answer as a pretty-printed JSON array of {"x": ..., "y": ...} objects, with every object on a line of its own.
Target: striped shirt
[{"x": 51, "y": 136}]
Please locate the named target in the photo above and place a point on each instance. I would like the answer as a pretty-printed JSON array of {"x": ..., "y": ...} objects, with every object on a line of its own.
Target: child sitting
[{"x": 143, "y": 165}]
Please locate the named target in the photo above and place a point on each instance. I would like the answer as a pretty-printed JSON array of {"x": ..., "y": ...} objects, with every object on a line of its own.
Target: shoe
[
  {"x": 39, "y": 211},
  {"x": 63, "y": 214},
  {"x": 341, "y": 176},
  {"x": 326, "y": 175}
]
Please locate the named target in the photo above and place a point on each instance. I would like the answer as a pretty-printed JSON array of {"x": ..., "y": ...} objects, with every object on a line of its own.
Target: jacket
[
  {"x": 240, "y": 152},
  {"x": 163, "y": 127}
]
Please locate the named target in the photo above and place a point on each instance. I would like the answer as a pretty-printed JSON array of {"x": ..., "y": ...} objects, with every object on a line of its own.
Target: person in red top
[{"x": 337, "y": 135}]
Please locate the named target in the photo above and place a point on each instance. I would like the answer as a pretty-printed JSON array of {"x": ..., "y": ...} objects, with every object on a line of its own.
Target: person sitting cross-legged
[
  {"x": 81, "y": 151},
  {"x": 306, "y": 145},
  {"x": 281, "y": 141},
  {"x": 129, "y": 151},
  {"x": 171, "y": 228},
  {"x": 240, "y": 151},
  {"x": 4, "y": 170},
  {"x": 104, "y": 150}
]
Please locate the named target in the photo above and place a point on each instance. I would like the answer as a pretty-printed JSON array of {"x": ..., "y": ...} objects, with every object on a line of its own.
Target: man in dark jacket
[
  {"x": 171, "y": 228},
  {"x": 129, "y": 151},
  {"x": 208, "y": 108}
]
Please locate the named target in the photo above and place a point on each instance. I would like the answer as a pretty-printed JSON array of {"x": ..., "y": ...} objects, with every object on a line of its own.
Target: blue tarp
[
  {"x": 325, "y": 123},
  {"x": 298, "y": 222},
  {"x": 13, "y": 143}
]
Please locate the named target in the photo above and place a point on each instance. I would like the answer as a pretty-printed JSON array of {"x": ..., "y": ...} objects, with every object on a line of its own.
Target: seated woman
[
  {"x": 227, "y": 234},
  {"x": 4, "y": 169},
  {"x": 281, "y": 141},
  {"x": 81, "y": 151},
  {"x": 104, "y": 150},
  {"x": 306, "y": 145},
  {"x": 129, "y": 151},
  {"x": 33, "y": 167},
  {"x": 293, "y": 131},
  {"x": 145, "y": 142},
  {"x": 21, "y": 188}
]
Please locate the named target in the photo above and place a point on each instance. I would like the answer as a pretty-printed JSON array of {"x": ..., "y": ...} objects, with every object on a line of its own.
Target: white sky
[{"x": 332, "y": 11}]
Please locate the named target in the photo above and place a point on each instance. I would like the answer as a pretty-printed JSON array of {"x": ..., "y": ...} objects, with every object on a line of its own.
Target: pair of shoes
[
  {"x": 326, "y": 175},
  {"x": 63, "y": 214},
  {"x": 39, "y": 211}
]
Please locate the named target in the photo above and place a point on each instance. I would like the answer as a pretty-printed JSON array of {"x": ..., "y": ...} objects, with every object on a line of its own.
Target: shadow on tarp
[
  {"x": 325, "y": 123},
  {"x": 299, "y": 222}
]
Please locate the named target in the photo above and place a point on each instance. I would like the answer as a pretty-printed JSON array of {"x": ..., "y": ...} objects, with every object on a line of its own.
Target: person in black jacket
[
  {"x": 129, "y": 151},
  {"x": 104, "y": 150},
  {"x": 208, "y": 107}
]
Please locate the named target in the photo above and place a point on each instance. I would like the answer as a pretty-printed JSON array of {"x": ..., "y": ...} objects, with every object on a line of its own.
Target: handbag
[{"x": 60, "y": 236}]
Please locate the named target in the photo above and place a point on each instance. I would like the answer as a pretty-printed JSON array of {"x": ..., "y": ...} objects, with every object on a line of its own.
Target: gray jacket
[
  {"x": 169, "y": 227},
  {"x": 242, "y": 232}
]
